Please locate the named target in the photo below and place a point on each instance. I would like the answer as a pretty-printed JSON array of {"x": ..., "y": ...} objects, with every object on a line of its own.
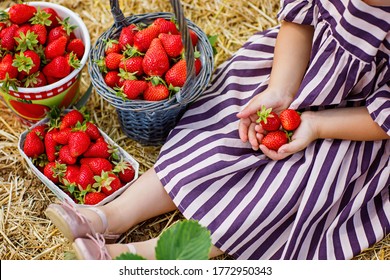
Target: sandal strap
[
  {"x": 102, "y": 216},
  {"x": 99, "y": 240},
  {"x": 131, "y": 248}
]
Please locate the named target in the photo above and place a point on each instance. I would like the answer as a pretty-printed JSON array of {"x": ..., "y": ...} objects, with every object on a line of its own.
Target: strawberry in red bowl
[
  {"x": 76, "y": 160},
  {"x": 47, "y": 45}
]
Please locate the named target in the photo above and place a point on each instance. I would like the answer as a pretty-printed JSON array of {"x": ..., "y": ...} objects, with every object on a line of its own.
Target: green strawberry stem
[{"x": 41, "y": 17}]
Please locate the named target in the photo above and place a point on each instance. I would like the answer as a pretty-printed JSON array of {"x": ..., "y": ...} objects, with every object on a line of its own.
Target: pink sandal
[
  {"x": 73, "y": 224},
  {"x": 94, "y": 248}
]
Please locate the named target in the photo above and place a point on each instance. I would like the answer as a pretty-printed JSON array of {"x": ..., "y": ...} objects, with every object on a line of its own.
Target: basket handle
[{"x": 120, "y": 21}]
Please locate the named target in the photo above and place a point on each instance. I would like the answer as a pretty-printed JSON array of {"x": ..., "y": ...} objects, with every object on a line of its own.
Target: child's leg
[
  {"x": 145, "y": 199},
  {"x": 146, "y": 249}
]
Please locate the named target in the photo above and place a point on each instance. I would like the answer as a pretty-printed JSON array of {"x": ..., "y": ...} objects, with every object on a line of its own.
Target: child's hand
[
  {"x": 302, "y": 137},
  {"x": 278, "y": 101}
]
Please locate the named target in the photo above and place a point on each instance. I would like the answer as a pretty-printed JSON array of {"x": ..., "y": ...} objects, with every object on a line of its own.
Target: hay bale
[{"x": 25, "y": 233}]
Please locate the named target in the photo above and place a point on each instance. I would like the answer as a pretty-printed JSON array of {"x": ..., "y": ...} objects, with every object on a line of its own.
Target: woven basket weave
[{"x": 149, "y": 122}]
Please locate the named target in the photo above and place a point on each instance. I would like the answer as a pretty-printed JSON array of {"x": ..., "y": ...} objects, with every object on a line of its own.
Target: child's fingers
[{"x": 243, "y": 129}]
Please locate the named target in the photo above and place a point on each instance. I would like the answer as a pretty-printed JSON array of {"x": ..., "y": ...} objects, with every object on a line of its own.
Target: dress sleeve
[
  {"x": 296, "y": 11},
  {"x": 378, "y": 103}
]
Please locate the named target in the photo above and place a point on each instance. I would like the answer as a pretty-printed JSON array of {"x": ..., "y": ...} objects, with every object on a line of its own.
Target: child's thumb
[{"x": 250, "y": 109}]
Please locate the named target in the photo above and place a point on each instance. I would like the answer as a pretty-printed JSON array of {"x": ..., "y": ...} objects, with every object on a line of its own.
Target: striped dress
[{"x": 329, "y": 201}]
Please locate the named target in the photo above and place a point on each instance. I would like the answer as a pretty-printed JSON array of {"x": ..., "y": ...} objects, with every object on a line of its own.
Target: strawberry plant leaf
[
  {"x": 185, "y": 240},
  {"x": 129, "y": 256}
]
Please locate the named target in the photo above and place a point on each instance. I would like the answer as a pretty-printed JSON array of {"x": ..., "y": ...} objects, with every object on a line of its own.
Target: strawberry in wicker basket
[{"x": 150, "y": 70}]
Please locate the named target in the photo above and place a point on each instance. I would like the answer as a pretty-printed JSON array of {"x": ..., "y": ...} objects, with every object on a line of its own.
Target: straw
[{"x": 25, "y": 232}]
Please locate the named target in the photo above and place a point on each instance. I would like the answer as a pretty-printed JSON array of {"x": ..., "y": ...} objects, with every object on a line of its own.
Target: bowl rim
[{"x": 87, "y": 42}]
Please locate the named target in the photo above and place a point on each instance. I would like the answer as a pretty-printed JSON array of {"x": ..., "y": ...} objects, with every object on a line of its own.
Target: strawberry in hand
[
  {"x": 269, "y": 120},
  {"x": 290, "y": 119},
  {"x": 274, "y": 140}
]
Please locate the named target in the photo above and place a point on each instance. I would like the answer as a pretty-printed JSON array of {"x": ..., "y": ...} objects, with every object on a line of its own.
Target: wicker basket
[{"x": 150, "y": 122}]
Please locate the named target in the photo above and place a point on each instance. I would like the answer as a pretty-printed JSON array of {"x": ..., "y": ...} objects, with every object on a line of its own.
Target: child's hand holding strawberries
[{"x": 270, "y": 98}]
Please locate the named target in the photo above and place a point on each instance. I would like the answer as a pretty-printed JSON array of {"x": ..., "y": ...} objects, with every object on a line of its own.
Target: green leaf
[
  {"x": 185, "y": 240},
  {"x": 213, "y": 42},
  {"x": 129, "y": 256}
]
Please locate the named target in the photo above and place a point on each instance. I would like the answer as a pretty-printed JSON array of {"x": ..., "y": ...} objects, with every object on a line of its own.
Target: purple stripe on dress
[
  {"x": 279, "y": 253},
  {"x": 381, "y": 23},
  {"x": 242, "y": 155},
  {"x": 321, "y": 213},
  {"x": 261, "y": 47},
  {"x": 295, "y": 13},
  {"x": 379, "y": 207},
  {"x": 311, "y": 201},
  {"x": 360, "y": 33},
  {"x": 312, "y": 75},
  {"x": 218, "y": 196},
  {"x": 342, "y": 81},
  {"x": 274, "y": 200},
  {"x": 352, "y": 47},
  {"x": 193, "y": 148},
  {"x": 272, "y": 240}
]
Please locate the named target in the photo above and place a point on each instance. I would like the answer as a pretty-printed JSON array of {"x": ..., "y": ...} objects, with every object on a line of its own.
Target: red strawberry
[
  {"x": 126, "y": 37},
  {"x": 144, "y": 38},
  {"x": 33, "y": 145},
  {"x": 41, "y": 31},
  {"x": 198, "y": 66},
  {"x": 93, "y": 198},
  {"x": 7, "y": 69},
  {"x": 112, "y": 60},
  {"x": 51, "y": 80},
  {"x": 99, "y": 149},
  {"x": 177, "y": 74},
  {"x": 53, "y": 17},
  {"x": 79, "y": 142},
  {"x": 132, "y": 65},
  {"x": 166, "y": 26},
  {"x": 92, "y": 131},
  {"x": 58, "y": 68},
  {"x": 40, "y": 130},
  {"x": 77, "y": 47},
  {"x": 97, "y": 165},
  {"x": 65, "y": 156},
  {"x": 65, "y": 29},
  {"x": 51, "y": 172},
  {"x": 290, "y": 119},
  {"x": 269, "y": 120},
  {"x": 23, "y": 30},
  {"x": 7, "y": 40},
  {"x": 50, "y": 145},
  {"x": 112, "y": 78},
  {"x": 62, "y": 136},
  {"x": 132, "y": 89},
  {"x": 172, "y": 44},
  {"x": 56, "y": 33},
  {"x": 37, "y": 79},
  {"x": 125, "y": 171},
  {"x": 274, "y": 140},
  {"x": 27, "y": 62},
  {"x": 108, "y": 183},
  {"x": 85, "y": 177},
  {"x": 56, "y": 48},
  {"x": 156, "y": 92},
  {"x": 21, "y": 13},
  {"x": 112, "y": 46},
  {"x": 194, "y": 37},
  {"x": 156, "y": 61},
  {"x": 71, "y": 119},
  {"x": 71, "y": 174}
]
